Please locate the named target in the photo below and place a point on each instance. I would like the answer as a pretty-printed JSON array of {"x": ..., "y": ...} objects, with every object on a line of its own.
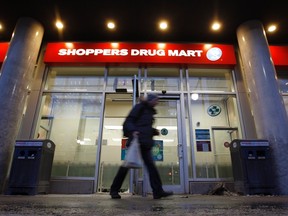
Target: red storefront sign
[
  {"x": 139, "y": 53},
  {"x": 3, "y": 51},
  {"x": 91, "y": 53},
  {"x": 279, "y": 55}
]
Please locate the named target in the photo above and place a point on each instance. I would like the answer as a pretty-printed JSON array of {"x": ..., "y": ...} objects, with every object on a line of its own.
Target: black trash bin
[
  {"x": 31, "y": 167},
  {"x": 252, "y": 167}
]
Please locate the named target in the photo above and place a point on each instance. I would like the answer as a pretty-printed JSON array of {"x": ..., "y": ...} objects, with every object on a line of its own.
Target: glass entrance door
[
  {"x": 168, "y": 147},
  {"x": 167, "y": 152}
]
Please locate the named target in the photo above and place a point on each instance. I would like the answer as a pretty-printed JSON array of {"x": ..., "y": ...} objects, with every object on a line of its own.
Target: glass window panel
[
  {"x": 282, "y": 77},
  {"x": 215, "y": 120},
  {"x": 216, "y": 80},
  {"x": 159, "y": 79},
  {"x": 71, "y": 121},
  {"x": 75, "y": 78},
  {"x": 121, "y": 78},
  {"x": 285, "y": 99},
  {"x": 283, "y": 81}
]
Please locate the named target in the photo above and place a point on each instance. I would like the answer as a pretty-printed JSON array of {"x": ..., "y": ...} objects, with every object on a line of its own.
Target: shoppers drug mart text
[{"x": 127, "y": 52}]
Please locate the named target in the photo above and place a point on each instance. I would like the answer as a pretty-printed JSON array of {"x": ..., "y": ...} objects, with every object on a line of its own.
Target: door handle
[{"x": 180, "y": 150}]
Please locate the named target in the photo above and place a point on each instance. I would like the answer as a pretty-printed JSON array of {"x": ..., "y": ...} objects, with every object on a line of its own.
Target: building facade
[{"x": 80, "y": 94}]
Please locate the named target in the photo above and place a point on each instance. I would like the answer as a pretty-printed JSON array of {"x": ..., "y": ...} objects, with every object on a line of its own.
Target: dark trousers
[{"x": 154, "y": 177}]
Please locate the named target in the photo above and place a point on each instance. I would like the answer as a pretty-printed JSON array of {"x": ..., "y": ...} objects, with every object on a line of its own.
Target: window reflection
[
  {"x": 217, "y": 80},
  {"x": 215, "y": 121},
  {"x": 71, "y": 120},
  {"x": 74, "y": 78}
]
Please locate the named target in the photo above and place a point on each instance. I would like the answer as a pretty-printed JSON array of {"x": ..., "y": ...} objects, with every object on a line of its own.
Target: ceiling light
[
  {"x": 195, "y": 96},
  {"x": 207, "y": 46},
  {"x": 111, "y": 25},
  {"x": 163, "y": 25},
  {"x": 69, "y": 45},
  {"x": 161, "y": 45},
  {"x": 216, "y": 26},
  {"x": 113, "y": 127},
  {"x": 272, "y": 28},
  {"x": 168, "y": 140},
  {"x": 59, "y": 25},
  {"x": 115, "y": 45},
  {"x": 0, "y": 27},
  {"x": 116, "y": 139}
]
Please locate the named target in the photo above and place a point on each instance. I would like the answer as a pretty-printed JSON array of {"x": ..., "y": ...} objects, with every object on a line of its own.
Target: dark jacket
[{"x": 141, "y": 119}]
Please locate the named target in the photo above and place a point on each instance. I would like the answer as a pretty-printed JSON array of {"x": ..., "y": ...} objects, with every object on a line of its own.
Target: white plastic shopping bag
[{"x": 133, "y": 156}]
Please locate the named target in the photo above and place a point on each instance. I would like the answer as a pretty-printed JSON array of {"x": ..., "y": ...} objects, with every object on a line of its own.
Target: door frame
[
  {"x": 229, "y": 130},
  {"x": 183, "y": 187}
]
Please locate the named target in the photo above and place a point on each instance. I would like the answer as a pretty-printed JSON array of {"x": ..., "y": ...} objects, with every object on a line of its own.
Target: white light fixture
[
  {"x": 113, "y": 127},
  {"x": 111, "y": 25},
  {"x": 69, "y": 45},
  {"x": 163, "y": 25},
  {"x": 115, "y": 45},
  {"x": 195, "y": 96},
  {"x": 85, "y": 141},
  {"x": 161, "y": 45},
  {"x": 117, "y": 139},
  {"x": 216, "y": 26},
  {"x": 59, "y": 25},
  {"x": 168, "y": 140},
  {"x": 272, "y": 28}
]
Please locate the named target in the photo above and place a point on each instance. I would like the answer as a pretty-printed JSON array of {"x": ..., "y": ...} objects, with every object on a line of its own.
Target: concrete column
[
  {"x": 15, "y": 77},
  {"x": 265, "y": 99}
]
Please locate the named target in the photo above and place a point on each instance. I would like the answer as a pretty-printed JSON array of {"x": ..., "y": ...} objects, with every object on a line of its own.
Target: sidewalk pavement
[{"x": 132, "y": 205}]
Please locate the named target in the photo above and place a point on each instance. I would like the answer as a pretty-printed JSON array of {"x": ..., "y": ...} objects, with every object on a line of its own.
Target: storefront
[{"x": 86, "y": 90}]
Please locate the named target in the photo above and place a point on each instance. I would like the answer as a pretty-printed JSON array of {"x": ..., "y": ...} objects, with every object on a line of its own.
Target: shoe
[
  {"x": 162, "y": 194},
  {"x": 115, "y": 195}
]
